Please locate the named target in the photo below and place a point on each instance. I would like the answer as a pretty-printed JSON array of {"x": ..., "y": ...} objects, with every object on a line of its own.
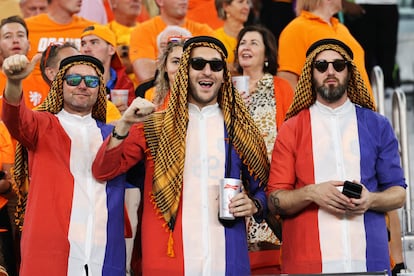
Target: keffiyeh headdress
[{"x": 305, "y": 94}]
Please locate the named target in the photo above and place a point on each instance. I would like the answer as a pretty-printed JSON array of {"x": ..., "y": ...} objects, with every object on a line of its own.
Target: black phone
[{"x": 352, "y": 190}]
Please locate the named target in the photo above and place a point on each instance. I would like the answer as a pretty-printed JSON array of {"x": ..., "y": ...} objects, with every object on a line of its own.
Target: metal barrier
[
  {"x": 377, "y": 84},
  {"x": 399, "y": 119}
]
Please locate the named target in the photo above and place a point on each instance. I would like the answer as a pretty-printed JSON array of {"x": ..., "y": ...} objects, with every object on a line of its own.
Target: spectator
[
  {"x": 143, "y": 45},
  {"x": 234, "y": 14},
  {"x": 125, "y": 13},
  {"x": 171, "y": 33},
  {"x": 184, "y": 190},
  {"x": 100, "y": 42},
  {"x": 8, "y": 260},
  {"x": 146, "y": 89},
  {"x": 377, "y": 36},
  {"x": 167, "y": 66},
  {"x": 60, "y": 24},
  {"x": 315, "y": 21},
  {"x": 49, "y": 66},
  {"x": 33, "y": 7},
  {"x": 267, "y": 100},
  {"x": 333, "y": 134},
  {"x": 73, "y": 226},
  {"x": 14, "y": 40}
]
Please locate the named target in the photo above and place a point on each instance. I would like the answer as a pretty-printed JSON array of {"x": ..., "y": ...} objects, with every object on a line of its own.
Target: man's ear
[
  {"x": 112, "y": 50},
  {"x": 50, "y": 73}
]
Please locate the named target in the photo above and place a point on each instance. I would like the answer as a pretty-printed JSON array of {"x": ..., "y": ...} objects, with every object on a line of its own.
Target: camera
[{"x": 352, "y": 190}]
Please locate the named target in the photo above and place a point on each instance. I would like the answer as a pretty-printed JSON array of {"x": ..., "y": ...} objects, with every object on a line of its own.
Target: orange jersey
[
  {"x": 35, "y": 90},
  {"x": 7, "y": 147},
  {"x": 204, "y": 11},
  {"x": 43, "y": 31},
  {"x": 308, "y": 28},
  {"x": 143, "y": 42}
]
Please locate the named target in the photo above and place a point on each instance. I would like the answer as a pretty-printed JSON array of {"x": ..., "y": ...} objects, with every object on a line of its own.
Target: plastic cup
[
  {"x": 229, "y": 187},
  {"x": 119, "y": 96},
  {"x": 241, "y": 83}
]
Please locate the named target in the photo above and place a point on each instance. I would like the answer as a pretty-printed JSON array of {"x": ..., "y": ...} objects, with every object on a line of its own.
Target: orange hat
[{"x": 102, "y": 32}]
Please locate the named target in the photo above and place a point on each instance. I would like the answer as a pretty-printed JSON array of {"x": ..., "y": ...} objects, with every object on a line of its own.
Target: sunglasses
[
  {"x": 50, "y": 51},
  {"x": 178, "y": 38},
  {"x": 199, "y": 64},
  {"x": 75, "y": 80},
  {"x": 322, "y": 65}
]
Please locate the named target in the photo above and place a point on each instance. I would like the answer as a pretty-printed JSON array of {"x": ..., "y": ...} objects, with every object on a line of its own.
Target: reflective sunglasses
[
  {"x": 199, "y": 64},
  {"x": 338, "y": 64},
  {"x": 75, "y": 80}
]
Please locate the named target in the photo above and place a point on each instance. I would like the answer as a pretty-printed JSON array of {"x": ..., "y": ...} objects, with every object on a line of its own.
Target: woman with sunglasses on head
[
  {"x": 234, "y": 13},
  {"x": 268, "y": 100},
  {"x": 167, "y": 67}
]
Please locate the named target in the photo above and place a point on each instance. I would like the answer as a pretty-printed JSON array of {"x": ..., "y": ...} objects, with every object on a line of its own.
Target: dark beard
[{"x": 331, "y": 94}]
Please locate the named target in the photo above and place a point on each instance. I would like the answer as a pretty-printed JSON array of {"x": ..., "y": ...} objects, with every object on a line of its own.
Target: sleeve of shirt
[
  {"x": 111, "y": 163},
  {"x": 282, "y": 169}
]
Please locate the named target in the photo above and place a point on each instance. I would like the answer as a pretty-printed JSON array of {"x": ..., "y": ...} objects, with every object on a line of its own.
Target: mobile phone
[{"x": 352, "y": 190}]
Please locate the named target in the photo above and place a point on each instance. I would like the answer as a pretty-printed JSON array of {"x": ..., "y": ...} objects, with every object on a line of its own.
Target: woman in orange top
[{"x": 268, "y": 100}]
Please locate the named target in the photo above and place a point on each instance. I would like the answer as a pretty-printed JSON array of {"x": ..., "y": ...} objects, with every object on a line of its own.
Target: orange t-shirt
[
  {"x": 143, "y": 42},
  {"x": 204, "y": 11},
  {"x": 35, "y": 90},
  {"x": 308, "y": 28},
  {"x": 43, "y": 31},
  {"x": 7, "y": 147}
]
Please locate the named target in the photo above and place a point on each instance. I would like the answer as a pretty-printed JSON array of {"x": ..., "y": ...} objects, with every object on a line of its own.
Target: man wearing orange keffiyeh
[{"x": 204, "y": 135}]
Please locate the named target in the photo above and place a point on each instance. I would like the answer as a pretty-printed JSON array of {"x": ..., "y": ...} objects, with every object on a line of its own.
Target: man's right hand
[{"x": 18, "y": 67}]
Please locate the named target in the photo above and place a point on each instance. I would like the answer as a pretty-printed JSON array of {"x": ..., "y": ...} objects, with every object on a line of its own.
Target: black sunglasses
[
  {"x": 199, "y": 64},
  {"x": 338, "y": 64},
  {"x": 75, "y": 80}
]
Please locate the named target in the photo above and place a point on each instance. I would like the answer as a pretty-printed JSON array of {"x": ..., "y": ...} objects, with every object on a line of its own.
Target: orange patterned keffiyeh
[{"x": 166, "y": 132}]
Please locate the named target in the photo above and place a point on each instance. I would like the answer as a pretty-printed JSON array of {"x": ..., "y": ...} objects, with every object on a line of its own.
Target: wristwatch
[{"x": 117, "y": 136}]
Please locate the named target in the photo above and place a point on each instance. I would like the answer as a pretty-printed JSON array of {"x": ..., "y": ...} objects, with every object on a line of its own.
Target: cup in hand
[
  {"x": 241, "y": 83},
  {"x": 119, "y": 96},
  {"x": 229, "y": 187}
]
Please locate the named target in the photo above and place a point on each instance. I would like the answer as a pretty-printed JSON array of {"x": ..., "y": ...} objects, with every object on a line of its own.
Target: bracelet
[{"x": 117, "y": 136}]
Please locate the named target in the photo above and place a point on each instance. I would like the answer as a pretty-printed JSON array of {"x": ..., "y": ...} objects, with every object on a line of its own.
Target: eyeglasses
[
  {"x": 322, "y": 65},
  {"x": 199, "y": 64},
  {"x": 75, "y": 80}
]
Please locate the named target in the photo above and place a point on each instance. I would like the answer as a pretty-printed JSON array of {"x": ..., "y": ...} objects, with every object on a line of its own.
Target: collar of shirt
[{"x": 112, "y": 80}]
